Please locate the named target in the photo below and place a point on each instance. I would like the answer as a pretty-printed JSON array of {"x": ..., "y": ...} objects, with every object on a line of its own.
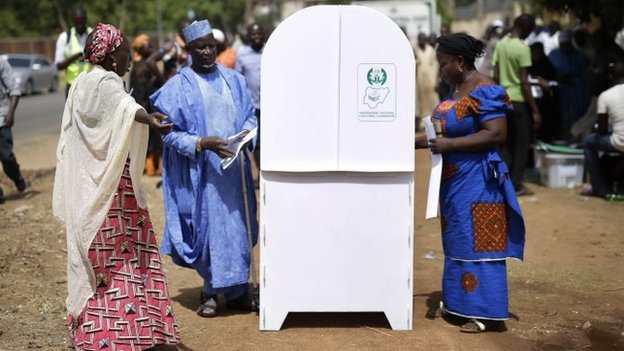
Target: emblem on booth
[
  {"x": 377, "y": 76},
  {"x": 376, "y": 93},
  {"x": 376, "y": 85}
]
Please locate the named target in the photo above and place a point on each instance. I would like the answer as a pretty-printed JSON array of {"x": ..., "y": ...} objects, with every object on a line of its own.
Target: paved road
[{"x": 38, "y": 115}]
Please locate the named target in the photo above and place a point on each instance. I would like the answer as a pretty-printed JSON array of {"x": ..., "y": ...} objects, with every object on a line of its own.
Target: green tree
[
  {"x": 610, "y": 11},
  {"x": 17, "y": 18},
  {"x": 20, "y": 18}
]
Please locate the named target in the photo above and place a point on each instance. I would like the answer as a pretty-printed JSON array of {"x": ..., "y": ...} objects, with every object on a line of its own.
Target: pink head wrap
[{"x": 105, "y": 38}]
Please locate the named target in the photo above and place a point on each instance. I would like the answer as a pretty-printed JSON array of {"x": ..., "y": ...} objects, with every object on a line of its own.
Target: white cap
[
  {"x": 218, "y": 35},
  {"x": 497, "y": 23}
]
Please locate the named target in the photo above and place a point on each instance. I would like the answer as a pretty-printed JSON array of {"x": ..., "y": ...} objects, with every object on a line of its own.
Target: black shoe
[
  {"x": 523, "y": 191},
  {"x": 208, "y": 306},
  {"x": 244, "y": 303},
  {"x": 22, "y": 185}
]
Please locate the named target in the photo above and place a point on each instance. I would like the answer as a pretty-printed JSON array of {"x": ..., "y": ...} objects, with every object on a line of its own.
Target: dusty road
[{"x": 567, "y": 295}]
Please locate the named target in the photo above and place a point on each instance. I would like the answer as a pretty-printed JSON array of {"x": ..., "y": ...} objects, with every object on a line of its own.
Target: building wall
[{"x": 474, "y": 18}]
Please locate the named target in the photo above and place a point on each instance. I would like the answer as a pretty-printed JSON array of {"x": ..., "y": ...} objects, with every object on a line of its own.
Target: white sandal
[{"x": 473, "y": 326}]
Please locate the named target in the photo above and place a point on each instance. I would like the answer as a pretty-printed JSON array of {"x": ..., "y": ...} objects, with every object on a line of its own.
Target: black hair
[
  {"x": 183, "y": 23},
  {"x": 461, "y": 44},
  {"x": 79, "y": 11},
  {"x": 538, "y": 45},
  {"x": 617, "y": 69},
  {"x": 525, "y": 22}
]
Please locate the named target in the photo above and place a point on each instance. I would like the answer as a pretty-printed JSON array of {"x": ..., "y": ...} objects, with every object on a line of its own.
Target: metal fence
[{"x": 37, "y": 45}]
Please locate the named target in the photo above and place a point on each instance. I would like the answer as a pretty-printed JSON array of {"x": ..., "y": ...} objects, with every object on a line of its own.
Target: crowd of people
[
  {"x": 493, "y": 97},
  {"x": 555, "y": 78}
]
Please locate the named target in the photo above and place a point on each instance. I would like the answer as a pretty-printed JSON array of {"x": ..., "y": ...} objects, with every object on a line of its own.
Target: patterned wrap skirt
[
  {"x": 482, "y": 226},
  {"x": 131, "y": 308},
  {"x": 476, "y": 289}
]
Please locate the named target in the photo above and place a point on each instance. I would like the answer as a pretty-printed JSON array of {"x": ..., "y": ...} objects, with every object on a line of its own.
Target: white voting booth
[{"x": 337, "y": 173}]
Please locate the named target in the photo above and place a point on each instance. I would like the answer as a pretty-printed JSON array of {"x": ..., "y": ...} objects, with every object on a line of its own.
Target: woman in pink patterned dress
[{"x": 118, "y": 297}]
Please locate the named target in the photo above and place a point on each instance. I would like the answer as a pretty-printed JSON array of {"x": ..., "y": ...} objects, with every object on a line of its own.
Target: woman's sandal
[{"x": 473, "y": 326}]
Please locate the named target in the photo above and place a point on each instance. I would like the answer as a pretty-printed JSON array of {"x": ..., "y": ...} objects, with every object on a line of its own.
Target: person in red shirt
[{"x": 226, "y": 56}]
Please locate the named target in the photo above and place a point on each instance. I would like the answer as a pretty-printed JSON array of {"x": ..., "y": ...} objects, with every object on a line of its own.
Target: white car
[{"x": 34, "y": 73}]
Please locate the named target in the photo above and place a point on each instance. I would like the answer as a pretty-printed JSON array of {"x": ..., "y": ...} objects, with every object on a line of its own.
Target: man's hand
[
  {"x": 543, "y": 83},
  {"x": 537, "y": 120},
  {"x": 155, "y": 120},
  {"x": 76, "y": 56},
  {"x": 9, "y": 120},
  {"x": 216, "y": 145}
]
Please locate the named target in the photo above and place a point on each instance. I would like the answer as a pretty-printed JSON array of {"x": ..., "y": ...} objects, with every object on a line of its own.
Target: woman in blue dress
[{"x": 481, "y": 221}]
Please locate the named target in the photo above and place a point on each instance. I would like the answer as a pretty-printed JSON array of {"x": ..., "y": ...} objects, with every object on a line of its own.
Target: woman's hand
[
  {"x": 216, "y": 145},
  {"x": 155, "y": 120},
  {"x": 440, "y": 145}
]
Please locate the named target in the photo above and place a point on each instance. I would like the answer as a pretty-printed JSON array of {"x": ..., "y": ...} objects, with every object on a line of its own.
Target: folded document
[
  {"x": 235, "y": 144},
  {"x": 435, "y": 176}
]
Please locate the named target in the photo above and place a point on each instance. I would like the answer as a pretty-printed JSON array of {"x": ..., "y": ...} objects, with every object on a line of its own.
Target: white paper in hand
[
  {"x": 235, "y": 144},
  {"x": 435, "y": 177}
]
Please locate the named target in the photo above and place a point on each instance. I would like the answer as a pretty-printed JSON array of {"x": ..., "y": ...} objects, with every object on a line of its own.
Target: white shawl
[{"x": 98, "y": 133}]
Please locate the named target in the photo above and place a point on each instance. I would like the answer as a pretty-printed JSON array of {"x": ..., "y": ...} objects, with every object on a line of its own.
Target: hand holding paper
[{"x": 235, "y": 143}]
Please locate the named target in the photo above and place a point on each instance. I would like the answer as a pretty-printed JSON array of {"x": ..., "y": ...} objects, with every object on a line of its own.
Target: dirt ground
[{"x": 568, "y": 294}]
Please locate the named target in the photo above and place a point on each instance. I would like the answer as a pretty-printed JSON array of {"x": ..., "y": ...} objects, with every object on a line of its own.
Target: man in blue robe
[
  {"x": 204, "y": 207},
  {"x": 572, "y": 70}
]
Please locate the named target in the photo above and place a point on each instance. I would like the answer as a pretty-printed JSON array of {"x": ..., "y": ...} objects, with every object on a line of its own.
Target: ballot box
[{"x": 337, "y": 167}]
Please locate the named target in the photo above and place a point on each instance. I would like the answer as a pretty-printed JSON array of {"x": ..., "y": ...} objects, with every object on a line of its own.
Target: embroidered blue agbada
[
  {"x": 205, "y": 215},
  {"x": 481, "y": 219}
]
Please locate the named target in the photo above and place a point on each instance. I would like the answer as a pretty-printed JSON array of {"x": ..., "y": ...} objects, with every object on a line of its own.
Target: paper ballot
[
  {"x": 433, "y": 197},
  {"x": 235, "y": 145}
]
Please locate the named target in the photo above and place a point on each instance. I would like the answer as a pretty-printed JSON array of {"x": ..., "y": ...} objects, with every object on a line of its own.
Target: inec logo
[
  {"x": 376, "y": 85},
  {"x": 376, "y": 76},
  {"x": 376, "y": 93}
]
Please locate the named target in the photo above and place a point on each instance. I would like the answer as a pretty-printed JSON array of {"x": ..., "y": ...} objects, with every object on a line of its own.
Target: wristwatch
[{"x": 198, "y": 147}]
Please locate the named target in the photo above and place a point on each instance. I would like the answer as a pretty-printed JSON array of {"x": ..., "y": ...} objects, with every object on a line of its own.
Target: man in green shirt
[
  {"x": 512, "y": 60},
  {"x": 69, "y": 47}
]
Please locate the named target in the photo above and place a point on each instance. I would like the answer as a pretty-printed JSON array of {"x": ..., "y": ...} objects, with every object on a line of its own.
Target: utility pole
[
  {"x": 122, "y": 16},
  {"x": 60, "y": 15},
  {"x": 480, "y": 9},
  {"x": 249, "y": 6},
  {"x": 450, "y": 5},
  {"x": 159, "y": 27}
]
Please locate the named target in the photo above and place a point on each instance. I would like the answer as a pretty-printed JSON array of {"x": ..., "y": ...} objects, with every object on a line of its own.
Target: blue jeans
[
  {"x": 592, "y": 144},
  {"x": 7, "y": 158}
]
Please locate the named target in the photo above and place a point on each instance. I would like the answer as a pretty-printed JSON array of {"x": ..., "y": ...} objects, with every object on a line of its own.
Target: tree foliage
[
  {"x": 20, "y": 18},
  {"x": 609, "y": 11}
]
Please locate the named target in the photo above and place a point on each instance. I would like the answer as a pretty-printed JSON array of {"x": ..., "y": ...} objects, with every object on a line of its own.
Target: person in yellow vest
[{"x": 69, "y": 47}]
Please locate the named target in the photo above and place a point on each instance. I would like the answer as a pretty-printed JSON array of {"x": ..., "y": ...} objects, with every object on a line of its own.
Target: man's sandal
[
  {"x": 436, "y": 312},
  {"x": 208, "y": 306},
  {"x": 473, "y": 326}
]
